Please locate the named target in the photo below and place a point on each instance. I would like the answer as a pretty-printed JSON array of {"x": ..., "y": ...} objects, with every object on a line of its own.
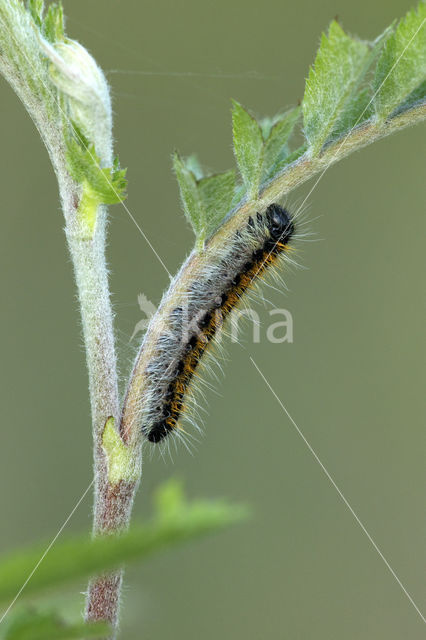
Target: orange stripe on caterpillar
[{"x": 210, "y": 301}]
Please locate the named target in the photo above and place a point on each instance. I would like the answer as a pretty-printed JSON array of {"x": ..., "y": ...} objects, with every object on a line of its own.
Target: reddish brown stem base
[{"x": 103, "y": 599}]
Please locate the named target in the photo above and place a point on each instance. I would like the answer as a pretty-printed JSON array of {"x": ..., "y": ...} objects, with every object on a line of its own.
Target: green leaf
[
  {"x": 193, "y": 164},
  {"x": 402, "y": 66},
  {"x": 248, "y": 148},
  {"x": 266, "y": 125},
  {"x": 416, "y": 96},
  {"x": 118, "y": 180},
  {"x": 205, "y": 201},
  {"x": 292, "y": 157},
  {"x": 357, "y": 110},
  {"x": 108, "y": 183},
  {"x": 339, "y": 63},
  {"x": 190, "y": 197},
  {"x": 53, "y": 24},
  {"x": 33, "y": 625},
  {"x": 359, "y": 104},
  {"x": 36, "y": 8},
  {"x": 276, "y": 138},
  {"x": 176, "y": 520},
  {"x": 239, "y": 193},
  {"x": 216, "y": 193}
]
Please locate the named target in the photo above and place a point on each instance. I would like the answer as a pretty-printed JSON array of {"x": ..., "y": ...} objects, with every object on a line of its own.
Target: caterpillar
[{"x": 210, "y": 295}]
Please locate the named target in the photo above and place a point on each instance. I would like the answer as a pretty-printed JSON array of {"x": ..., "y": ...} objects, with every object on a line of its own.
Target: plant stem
[
  {"x": 26, "y": 60},
  {"x": 289, "y": 178},
  {"x": 91, "y": 278},
  {"x": 112, "y": 499},
  {"x": 111, "y": 508}
]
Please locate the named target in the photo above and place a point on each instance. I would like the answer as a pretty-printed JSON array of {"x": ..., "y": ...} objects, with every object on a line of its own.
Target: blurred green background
[{"x": 353, "y": 379}]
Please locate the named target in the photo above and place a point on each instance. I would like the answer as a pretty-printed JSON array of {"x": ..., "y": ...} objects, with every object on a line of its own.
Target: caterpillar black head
[{"x": 279, "y": 223}]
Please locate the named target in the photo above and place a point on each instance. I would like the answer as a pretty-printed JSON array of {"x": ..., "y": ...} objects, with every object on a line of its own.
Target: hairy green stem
[
  {"x": 92, "y": 283},
  {"x": 58, "y": 82},
  {"x": 111, "y": 507}
]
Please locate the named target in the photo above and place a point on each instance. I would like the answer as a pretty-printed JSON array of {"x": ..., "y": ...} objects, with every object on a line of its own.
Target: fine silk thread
[{"x": 208, "y": 302}]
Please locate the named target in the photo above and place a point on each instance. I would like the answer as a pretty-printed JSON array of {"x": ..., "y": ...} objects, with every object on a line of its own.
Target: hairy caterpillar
[{"x": 210, "y": 295}]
